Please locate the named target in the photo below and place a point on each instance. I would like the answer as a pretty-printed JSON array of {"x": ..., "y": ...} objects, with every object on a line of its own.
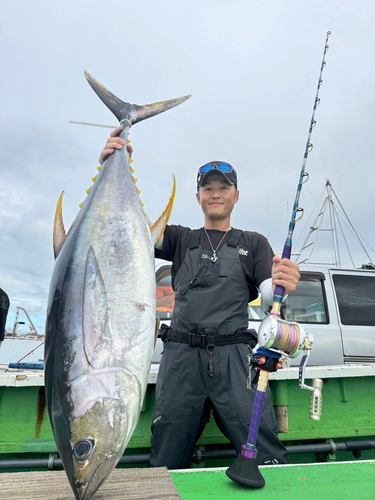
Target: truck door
[
  {"x": 313, "y": 306},
  {"x": 355, "y": 302}
]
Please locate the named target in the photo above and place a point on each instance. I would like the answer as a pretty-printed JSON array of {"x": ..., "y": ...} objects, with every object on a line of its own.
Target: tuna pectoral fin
[
  {"x": 97, "y": 336},
  {"x": 124, "y": 110},
  {"x": 59, "y": 234},
  {"x": 158, "y": 228}
]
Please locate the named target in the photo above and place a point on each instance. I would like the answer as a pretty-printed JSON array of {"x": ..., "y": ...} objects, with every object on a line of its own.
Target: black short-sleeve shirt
[{"x": 255, "y": 252}]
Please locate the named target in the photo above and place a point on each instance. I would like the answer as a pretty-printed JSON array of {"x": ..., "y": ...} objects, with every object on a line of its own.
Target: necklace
[{"x": 214, "y": 257}]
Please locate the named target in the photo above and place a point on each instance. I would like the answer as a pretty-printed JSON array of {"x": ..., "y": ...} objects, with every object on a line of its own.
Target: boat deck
[
  {"x": 333, "y": 481},
  {"x": 336, "y": 481}
]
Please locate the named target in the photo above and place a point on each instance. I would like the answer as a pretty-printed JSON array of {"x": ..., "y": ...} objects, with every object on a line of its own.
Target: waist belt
[{"x": 195, "y": 340}]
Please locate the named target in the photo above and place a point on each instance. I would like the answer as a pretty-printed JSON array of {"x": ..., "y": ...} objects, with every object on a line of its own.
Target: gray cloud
[{"x": 252, "y": 69}]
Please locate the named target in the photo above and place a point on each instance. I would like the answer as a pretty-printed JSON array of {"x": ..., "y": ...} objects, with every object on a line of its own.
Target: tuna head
[
  {"x": 94, "y": 447},
  {"x": 93, "y": 433}
]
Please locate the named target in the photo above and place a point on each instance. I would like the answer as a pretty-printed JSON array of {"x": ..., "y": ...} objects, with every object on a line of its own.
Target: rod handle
[{"x": 279, "y": 292}]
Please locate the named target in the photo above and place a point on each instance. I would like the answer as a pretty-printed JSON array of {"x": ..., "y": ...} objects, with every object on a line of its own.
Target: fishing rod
[{"x": 277, "y": 337}]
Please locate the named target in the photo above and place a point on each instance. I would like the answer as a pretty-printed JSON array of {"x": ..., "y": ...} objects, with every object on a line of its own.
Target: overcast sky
[{"x": 252, "y": 69}]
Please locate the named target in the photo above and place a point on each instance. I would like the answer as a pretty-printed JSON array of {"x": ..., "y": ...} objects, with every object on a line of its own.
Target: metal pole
[{"x": 333, "y": 225}]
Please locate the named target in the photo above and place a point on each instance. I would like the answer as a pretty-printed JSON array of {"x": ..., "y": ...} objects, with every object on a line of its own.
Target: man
[
  {"x": 4, "y": 306},
  {"x": 216, "y": 271}
]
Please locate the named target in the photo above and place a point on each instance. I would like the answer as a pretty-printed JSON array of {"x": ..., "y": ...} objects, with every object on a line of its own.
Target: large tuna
[{"x": 101, "y": 314}]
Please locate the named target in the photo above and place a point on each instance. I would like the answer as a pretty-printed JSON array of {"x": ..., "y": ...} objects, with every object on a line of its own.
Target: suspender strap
[
  {"x": 195, "y": 236},
  {"x": 235, "y": 238}
]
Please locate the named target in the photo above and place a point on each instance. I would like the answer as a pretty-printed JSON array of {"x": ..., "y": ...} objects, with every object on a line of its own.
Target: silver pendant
[{"x": 214, "y": 258}]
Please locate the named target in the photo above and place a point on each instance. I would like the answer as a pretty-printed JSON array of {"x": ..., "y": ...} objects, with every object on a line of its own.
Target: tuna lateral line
[{"x": 245, "y": 470}]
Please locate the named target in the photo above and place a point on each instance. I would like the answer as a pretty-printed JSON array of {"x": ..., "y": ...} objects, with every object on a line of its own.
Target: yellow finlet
[
  {"x": 138, "y": 191},
  {"x": 129, "y": 142},
  {"x": 132, "y": 170},
  {"x": 59, "y": 234},
  {"x": 88, "y": 190},
  {"x": 135, "y": 180},
  {"x": 99, "y": 168},
  {"x": 130, "y": 160},
  {"x": 94, "y": 178},
  {"x": 142, "y": 204},
  {"x": 158, "y": 228},
  {"x": 80, "y": 205}
]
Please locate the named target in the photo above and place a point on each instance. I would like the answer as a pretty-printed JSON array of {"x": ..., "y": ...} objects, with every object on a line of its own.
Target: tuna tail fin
[
  {"x": 132, "y": 112},
  {"x": 158, "y": 228},
  {"x": 59, "y": 234}
]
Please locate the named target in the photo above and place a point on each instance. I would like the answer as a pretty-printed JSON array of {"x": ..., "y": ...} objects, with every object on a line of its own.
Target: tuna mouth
[{"x": 85, "y": 490}]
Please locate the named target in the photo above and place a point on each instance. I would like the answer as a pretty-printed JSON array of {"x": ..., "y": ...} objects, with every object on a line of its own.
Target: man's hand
[
  {"x": 113, "y": 143},
  {"x": 285, "y": 273}
]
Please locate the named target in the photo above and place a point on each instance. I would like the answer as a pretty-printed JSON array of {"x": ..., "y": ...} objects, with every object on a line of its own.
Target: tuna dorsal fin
[
  {"x": 97, "y": 336},
  {"x": 158, "y": 228},
  {"x": 59, "y": 234},
  {"x": 132, "y": 112}
]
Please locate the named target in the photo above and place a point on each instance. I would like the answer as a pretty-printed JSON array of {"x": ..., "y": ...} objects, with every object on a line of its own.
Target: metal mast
[{"x": 316, "y": 228}]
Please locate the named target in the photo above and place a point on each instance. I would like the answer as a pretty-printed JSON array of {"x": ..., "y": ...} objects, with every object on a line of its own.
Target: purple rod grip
[{"x": 255, "y": 417}]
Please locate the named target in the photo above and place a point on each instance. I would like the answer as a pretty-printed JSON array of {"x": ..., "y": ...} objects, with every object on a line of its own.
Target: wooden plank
[{"x": 132, "y": 484}]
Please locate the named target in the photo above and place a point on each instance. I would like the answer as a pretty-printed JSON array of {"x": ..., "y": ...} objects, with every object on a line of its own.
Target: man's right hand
[{"x": 114, "y": 142}]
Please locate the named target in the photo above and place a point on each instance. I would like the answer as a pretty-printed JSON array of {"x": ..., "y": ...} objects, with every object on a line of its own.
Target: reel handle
[{"x": 316, "y": 399}]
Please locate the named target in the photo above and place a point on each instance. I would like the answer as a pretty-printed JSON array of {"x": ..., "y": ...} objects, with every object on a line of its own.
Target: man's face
[{"x": 217, "y": 198}]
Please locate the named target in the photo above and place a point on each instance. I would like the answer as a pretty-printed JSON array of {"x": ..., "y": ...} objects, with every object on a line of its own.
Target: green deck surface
[{"x": 326, "y": 481}]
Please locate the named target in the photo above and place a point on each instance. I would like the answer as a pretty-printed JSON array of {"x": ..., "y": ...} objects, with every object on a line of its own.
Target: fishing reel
[{"x": 290, "y": 339}]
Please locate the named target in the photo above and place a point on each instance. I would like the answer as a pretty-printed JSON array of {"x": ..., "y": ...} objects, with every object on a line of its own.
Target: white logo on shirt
[
  {"x": 204, "y": 256},
  {"x": 244, "y": 252}
]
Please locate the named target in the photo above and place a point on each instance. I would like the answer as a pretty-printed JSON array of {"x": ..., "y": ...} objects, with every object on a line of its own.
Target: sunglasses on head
[{"x": 225, "y": 168}]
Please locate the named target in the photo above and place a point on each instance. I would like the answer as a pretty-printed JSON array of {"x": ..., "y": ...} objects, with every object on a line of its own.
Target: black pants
[{"x": 185, "y": 393}]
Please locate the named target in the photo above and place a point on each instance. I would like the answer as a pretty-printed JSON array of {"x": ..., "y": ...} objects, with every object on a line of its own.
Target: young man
[
  {"x": 216, "y": 271},
  {"x": 4, "y": 307}
]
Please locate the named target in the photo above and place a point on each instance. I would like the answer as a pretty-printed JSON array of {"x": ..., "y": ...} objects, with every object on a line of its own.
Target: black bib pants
[{"x": 211, "y": 299}]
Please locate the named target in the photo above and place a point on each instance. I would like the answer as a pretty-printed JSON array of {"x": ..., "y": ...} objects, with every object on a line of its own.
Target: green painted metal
[
  {"x": 348, "y": 413},
  {"x": 343, "y": 481},
  {"x": 348, "y": 409}
]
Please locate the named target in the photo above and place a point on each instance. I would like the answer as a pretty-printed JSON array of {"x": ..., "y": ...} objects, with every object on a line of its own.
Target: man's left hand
[{"x": 285, "y": 273}]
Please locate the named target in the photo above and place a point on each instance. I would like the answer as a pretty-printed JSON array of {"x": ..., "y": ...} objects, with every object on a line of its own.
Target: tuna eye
[{"x": 83, "y": 449}]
